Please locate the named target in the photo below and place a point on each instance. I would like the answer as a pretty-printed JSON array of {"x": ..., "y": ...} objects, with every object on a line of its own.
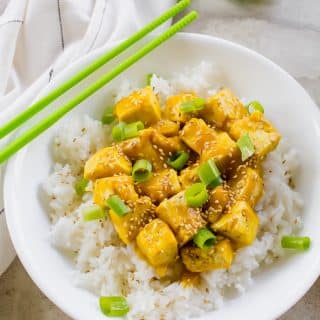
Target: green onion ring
[
  {"x": 196, "y": 195},
  {"x": 193, "y": 105},
  {"x": 115, "y": 203},
  {"x": 114, "y": 306},
  {"x": 246, "y": 146},
  {"x": 209, "y": 174},
  {"x": 298, "y": 243},
  {"x": 204, "y": 238},
  {"x": 141, "y": 170},
  {"x": 178, "y": 160}
]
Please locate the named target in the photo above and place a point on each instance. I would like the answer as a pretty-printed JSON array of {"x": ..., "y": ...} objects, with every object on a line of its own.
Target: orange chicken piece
[
  {"x": 218, "y": 199},
  {"x": 247, "y": 185},
  {"x": 218, "y": 256},
  {"x": 158, "y": 244},
  {"x": 141, "y": 147},
  {"x": 223, "y": 150},
  {"x": 107, "y": 162},
  {"x": 196, "y": 134},
  {"x": 240, "y": 224},
  {"x": 263, "y": 135},
  {"x": 167, "y": 145},
  {"x": 189, "y": 176},
  {"x": 131, "y": 224},
  {"x": 184, "y": 221},
  {"x": 141, "y": 105},
  {"x": 167, "y": 127},
  {"x": 172, "y": 109},
  {"x": 120, "y": 185},
  {"x": 222, "y": 108},
  {"x": 161, "y": 185}
]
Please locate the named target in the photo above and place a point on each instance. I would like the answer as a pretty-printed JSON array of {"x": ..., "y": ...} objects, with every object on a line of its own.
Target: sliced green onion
[
  {"x": 131, "y": 130},
  {"x": 255, "y": 106},
  {"x": 209, "y": 174},
  {"x": 108, "y": 116},
  {"x": 114, "y": 306},
  {"x": 149, "y": 77},
  {"x": 93, "y": 212},
  {"x": 246, "y": 146},
  {"x": 178, "y": 160},
  {"x": 196, "y": 195},
  {"x": 80, "y": 186},
  {"x": 115, "y": 203},
  {"x": 204, "y": 238},
  {"x": 118, "y": 131},
  {"x": 298, "y": 243},
  {"x": 192, "y": 105},
  {"x": 142, "y": 170},
  {"x": 123, "y": 131}
]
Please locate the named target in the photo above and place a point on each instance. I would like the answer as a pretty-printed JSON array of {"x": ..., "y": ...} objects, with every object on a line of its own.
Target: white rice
[{"x": 107, "y": 267}]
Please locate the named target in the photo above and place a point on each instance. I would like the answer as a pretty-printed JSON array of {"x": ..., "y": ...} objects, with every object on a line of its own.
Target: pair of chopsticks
[{"x": 47, "y": 122}]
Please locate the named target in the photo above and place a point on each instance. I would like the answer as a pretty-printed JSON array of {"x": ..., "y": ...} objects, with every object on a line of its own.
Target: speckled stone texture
[{"x": 286, "y": 31}]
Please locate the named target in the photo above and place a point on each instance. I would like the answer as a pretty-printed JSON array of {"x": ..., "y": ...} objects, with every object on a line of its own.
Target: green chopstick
[
  {"x": 47, "y": 122},
  {"x": 45, "y": 101}
]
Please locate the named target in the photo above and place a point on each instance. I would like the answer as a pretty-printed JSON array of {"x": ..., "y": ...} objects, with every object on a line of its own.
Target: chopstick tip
[{"x": 195, "y": 14}]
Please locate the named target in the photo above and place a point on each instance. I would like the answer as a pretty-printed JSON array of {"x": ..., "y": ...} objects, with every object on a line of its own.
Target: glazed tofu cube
[
  {"x": 223, "y": 150},
  {"x": 162, "y": 185},
  {"x": 189, "y": 176},
  {"x": 142, "y": 147},
  {"x": 141, "y": 105},
  {"x": 247, "y": 185},
  {"x": 219, "y": 256},
  {"x": 172, "y": 108},
  {"x": 196, "y": 134},
  {"x": 106, "y": 163},
  {"x": 222, "y": 108},
  {"x": 218, "y": 199},
  {"x": 263, "y": 135},
  {"x": 184, "y": 221},
  {"x": 166, "y": 145},
  {"x": 167, "y": 127},
  {"x": 131, "y": 224},
  {"x": 157, "y": 243},
  {"x": 120, "y": 185},
  {"x": 137, "y": 147},
  {"x": 240, "y": 224}
]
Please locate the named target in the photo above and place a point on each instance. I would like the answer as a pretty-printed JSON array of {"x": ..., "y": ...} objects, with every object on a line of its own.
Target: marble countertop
[{"x": 286, "y": 31}]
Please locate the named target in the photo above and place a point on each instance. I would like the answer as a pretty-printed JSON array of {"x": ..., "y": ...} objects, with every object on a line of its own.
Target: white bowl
[{"x": 249, "y": 75}]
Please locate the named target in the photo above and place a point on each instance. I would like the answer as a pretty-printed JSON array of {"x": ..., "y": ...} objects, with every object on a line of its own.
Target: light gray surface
[
  {"x": 288, "y": 32},
  {"x": 20, "y": 299}
]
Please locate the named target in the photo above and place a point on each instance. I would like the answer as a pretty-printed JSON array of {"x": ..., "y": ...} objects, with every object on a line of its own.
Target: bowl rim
[{"x": 9, "y": 203}]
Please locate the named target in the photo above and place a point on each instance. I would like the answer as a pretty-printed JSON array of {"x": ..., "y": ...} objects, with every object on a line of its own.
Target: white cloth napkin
[{"x": 39, "y": 38}]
